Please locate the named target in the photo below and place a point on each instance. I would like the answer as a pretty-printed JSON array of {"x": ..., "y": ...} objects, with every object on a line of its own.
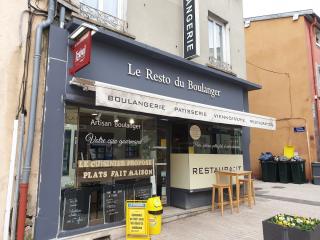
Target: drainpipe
[
  {"x": 314, "y": 78},
  {"x": 32, "y": 121},
  {"x": 62, "y": 16}
]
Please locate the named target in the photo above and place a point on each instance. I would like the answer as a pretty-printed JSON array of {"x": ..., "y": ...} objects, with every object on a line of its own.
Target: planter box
[
  {"x": 296, "y": 234},
  {"x": 272, "y": 231}
]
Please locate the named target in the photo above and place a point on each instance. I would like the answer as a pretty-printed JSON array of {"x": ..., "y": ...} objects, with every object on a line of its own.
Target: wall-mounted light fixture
[{"x": 82, "y": 29}]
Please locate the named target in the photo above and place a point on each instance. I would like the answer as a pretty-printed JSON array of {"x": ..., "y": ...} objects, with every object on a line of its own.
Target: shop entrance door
[{"x": 162, "y": 163}]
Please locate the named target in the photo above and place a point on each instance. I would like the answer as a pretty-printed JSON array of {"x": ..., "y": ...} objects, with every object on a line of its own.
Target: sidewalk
[{"x": 271, "y": 198}]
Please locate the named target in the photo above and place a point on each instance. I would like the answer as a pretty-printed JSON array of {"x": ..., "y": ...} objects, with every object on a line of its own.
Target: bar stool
[
  {"x": 245, "y": 182},
  {"x": 220, "y": 187}
]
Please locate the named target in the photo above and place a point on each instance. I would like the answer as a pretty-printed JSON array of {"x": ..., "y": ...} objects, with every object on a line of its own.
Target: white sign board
[
  {"x": 112, "y": 96},
  {"x": 197, "y": 171}
]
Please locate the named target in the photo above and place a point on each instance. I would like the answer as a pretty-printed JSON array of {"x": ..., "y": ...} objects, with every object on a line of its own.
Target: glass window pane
[
  {"x": 217, "y": 139},
  {"x": 101, "y": 186},
  {"x": 111, "y": 7},
  {"x": 180, "y": 142},
  {"x": 91, "y": 3},
  {"x": 66, "y": 152},
  {"x": 214, "y": 139},
  {"x": 211, "y": 36},
  {"x": 218, "y": 42},
  {"x": 107, "y": 135},
  {"x": 70, "y": 144}
]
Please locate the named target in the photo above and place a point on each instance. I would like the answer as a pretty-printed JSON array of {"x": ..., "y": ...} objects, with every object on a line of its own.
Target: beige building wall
[
  {"x": 160, "y": 24},
  {"x": 14, "y": 22},
  {"x": 278, "y": 60},
  {"x": 11, "y": 63}
]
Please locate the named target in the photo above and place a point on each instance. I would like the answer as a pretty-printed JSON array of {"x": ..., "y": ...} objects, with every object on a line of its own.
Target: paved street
[{"x": 272, "y": 198}]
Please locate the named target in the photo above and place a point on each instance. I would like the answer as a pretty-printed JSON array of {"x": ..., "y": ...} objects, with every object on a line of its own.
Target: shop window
[
  {"x": 180, "y": 142},
  {"x": 200, "y": 138},
  {"x": 100, "y": 149},
  {"x": 69, "y": 151},
  {"x": 218, "y": 39},
  {"x": 217, "y": 139}
]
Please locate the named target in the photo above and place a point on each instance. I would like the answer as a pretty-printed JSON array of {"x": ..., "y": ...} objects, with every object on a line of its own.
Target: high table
[{"x": 237, "y": 174}]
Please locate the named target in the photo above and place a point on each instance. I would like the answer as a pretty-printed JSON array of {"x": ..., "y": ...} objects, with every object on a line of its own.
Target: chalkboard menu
[
  {"x": 142, "y": 192},
  {"x": 75, "y": 209},
  {"x": 129, "y": 192},
  {"x": 113, "y": 204}
]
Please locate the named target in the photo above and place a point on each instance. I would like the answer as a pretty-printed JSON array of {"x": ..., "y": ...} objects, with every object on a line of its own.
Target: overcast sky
[{"x": 252, "y": 8}]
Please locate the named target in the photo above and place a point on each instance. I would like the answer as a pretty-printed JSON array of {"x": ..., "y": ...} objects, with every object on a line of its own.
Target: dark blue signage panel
[
  {"x": 126, "y": 68},
  {"x": 299, "y": 129},
  {"x": 190, "y": 29}
]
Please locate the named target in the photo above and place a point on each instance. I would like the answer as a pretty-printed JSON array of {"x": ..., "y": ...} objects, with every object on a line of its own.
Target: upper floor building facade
[
  {"x": 283, "y": 55},
  {"x": 160, "y": 24}
]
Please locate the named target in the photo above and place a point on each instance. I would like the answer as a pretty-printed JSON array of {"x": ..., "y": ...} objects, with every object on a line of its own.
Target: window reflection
[
  {"x": 93, "y": 192},
  {"x": 213, "y": 139}
]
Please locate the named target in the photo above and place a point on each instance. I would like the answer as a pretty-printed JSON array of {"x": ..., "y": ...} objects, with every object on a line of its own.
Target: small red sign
[{"x": 81, "y": 53}]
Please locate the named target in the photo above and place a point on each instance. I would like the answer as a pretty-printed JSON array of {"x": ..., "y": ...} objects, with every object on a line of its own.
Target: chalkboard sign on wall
[
  {"x": 113, "y": 204},
  {"x": 75, "y": 209}
]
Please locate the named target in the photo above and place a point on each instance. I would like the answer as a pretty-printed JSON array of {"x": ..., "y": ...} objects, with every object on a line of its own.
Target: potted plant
[{"x": 287, "y": 227}]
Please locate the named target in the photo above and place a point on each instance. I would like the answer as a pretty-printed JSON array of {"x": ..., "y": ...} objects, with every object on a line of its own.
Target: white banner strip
[{"x": 108, "y": 95}]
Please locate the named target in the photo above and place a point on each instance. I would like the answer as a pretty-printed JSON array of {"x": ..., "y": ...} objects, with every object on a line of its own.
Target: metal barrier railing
[
  {"x": 103, "y": 18},
  {"x": 220, "y": 64}
]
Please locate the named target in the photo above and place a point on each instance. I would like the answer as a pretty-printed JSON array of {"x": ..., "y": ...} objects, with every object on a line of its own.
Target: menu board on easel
[
  {"x": 75, "y": 209},
  {"x": 113, "y": 203}
]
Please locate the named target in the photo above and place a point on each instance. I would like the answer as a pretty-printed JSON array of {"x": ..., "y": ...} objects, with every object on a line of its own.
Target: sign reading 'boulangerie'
[
  {"x": 105, "y": 170},
  {"x": 108, "y": 95},
  {"x": 191, "y": 36}
]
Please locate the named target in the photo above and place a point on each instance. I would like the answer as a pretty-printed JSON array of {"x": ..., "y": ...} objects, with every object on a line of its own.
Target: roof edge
[{"x": 282, "y": 15}]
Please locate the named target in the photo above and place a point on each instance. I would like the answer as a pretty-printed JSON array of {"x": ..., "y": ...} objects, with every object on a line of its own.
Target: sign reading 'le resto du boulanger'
[
  {"x": 191, "y": 36},
  {"x": 108, "y": 95}
]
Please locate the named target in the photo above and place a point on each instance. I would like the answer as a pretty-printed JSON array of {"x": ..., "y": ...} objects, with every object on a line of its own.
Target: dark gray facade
[{"x": 109, "y": 63}]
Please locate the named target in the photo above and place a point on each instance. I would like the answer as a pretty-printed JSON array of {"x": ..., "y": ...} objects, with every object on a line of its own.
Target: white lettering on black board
[{"x": 190, "y": 28}]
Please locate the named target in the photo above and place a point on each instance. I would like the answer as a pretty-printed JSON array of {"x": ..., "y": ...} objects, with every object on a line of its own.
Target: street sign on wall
[{"x": 299, "y": 129}]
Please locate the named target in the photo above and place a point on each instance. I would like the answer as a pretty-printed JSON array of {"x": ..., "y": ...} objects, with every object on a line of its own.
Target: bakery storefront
[{"x": 135, "y": 122}]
